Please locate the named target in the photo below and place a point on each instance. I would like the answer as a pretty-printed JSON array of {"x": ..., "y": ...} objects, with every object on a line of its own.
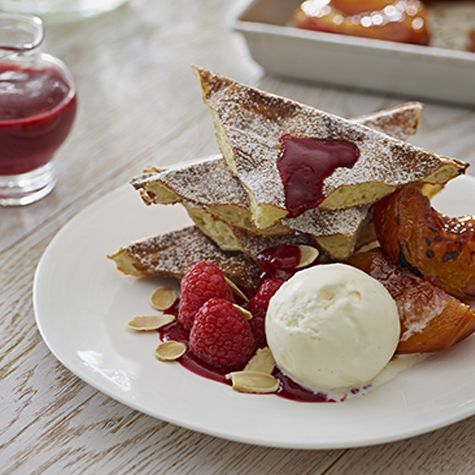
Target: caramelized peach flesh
[
  {"x": 433, "y": 246},
  {"x": 431, "y": 319},
  {"x": 398, "y": 20}
]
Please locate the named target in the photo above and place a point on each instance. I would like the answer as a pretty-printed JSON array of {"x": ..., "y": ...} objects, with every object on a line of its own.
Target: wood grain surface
[{"x": 139, "y": 105}]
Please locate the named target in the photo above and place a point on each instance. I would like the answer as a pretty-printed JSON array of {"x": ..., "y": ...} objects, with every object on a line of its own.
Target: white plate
[
  {"x": 82, "y": 304},
  {"x": 413, "y": 71}
]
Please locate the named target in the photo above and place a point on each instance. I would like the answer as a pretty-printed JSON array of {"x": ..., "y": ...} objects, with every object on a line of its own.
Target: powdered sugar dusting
[
  {"x": 320, "y": 222},
  {"x": 254, "y": 121},
  {"x": 171, "y": 254},
  {"x": 417, "y": 321},
  {"x": 209, "y": 183},
  {"x": 399, "y": 122},
  {"x": 206, "y": 182}
]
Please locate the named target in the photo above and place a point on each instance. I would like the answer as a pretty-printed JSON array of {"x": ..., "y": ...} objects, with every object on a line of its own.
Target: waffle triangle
[
  {"x": 250, "y": 125},
  {"x": 218, "y": 203},
  {"x": 171, "y": 254}
]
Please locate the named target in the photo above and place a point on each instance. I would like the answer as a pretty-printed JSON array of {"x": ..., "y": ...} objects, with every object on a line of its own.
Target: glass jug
[{"x": 37, "y": 110}]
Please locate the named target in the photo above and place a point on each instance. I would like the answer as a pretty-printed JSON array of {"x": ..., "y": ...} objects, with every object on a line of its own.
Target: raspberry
[
  {"x": 258, "y": 307},
  {"x": 221, "y": 336},
  {"x": 201, "y": 282}
]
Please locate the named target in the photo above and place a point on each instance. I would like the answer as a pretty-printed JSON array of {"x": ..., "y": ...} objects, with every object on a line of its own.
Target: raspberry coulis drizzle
[
  {"x": 281, "y": 258},
  {"x": 304, "y": 163},
  {"x": 176, "y": 332}
]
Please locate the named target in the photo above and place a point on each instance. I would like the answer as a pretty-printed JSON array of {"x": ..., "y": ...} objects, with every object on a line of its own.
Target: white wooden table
[{"x": 139, "y": 105}]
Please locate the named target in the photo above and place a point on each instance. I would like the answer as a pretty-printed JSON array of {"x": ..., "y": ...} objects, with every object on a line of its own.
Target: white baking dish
[{"x": 415, "y": 72}]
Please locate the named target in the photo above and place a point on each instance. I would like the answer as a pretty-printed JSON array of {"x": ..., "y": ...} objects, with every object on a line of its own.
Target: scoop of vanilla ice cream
[{"x": 332, "y": 326}]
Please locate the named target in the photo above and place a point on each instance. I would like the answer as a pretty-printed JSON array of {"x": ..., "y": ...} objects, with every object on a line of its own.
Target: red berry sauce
[
  {"x": 304, "y": 163},
  {"x": 176, "y": 332},
  {"x": 288, "y": 389},
  {"x": 281, "y": 258},
  {"x": 37, "y": 110}
]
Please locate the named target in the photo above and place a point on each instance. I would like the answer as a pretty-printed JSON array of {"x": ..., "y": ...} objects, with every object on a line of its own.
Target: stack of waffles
[{"x": 239, "y": 200}]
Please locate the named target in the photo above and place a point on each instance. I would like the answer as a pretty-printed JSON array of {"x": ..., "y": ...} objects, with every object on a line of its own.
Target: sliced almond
[
  {"x": 150, "y": 322},
  {"x": 245, "y": 313},
  {"x": 163, "y": 298},
  {"x": 262, "y": 361},
  {"x": 236, "y": 290},
  {"x": 170, "y": 350},
  {"x": 308, "y": 254},
  {"x": 253, "y": 382}
]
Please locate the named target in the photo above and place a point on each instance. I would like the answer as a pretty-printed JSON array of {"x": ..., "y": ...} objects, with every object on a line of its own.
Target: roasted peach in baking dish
[{"x": 403, "y": 21}]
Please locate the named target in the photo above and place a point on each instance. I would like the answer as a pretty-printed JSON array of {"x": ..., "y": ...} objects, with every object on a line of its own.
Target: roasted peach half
[
  {"x": 433, "y": 246},
  {"x": 431, "y": 319},
  {"x": 397, "y": 20}
]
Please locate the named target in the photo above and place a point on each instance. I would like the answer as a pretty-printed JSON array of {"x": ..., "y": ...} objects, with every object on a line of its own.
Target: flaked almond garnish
[
  {"x": 170, "y": 350},
  {"x": 245, "y": 313},
  {"x": 262, "y": 361},
  {"x": 308, "y": 254},
  {"x": 150, "y": 322},
  {"x": 163, "y": 298},
  {"x": 236, "y": 290},
  {"x": 253, "y": 382}
]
